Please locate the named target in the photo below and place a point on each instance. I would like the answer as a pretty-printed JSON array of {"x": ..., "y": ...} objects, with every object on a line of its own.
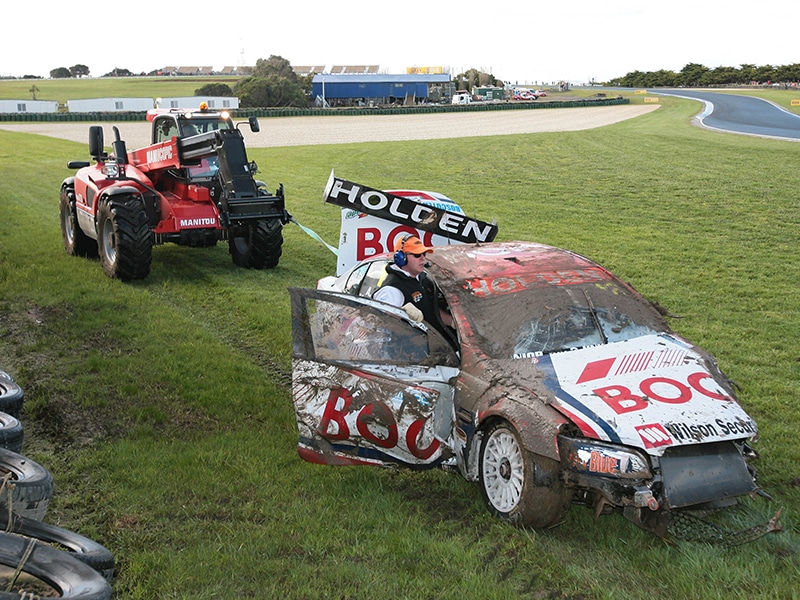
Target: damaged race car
[{"x": 557, "y": 383}]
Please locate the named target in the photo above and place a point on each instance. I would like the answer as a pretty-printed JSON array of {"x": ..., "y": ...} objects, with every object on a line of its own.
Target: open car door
[{"x": 369, "y": 386}]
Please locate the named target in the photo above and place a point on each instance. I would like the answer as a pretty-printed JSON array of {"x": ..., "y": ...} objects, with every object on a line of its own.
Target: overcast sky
[{"x": 535, "y": 42}]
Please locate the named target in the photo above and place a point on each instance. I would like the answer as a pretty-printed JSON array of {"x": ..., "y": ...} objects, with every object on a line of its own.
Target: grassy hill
[{"x": 62, "y": 90}]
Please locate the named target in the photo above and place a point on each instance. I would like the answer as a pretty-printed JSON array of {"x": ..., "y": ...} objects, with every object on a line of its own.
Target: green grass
[
  {"x": 163, "y": 407},
  {"x": 62, "y": 90}
]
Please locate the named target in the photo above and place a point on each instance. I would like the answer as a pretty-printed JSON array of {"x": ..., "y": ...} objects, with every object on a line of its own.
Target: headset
[{"x": 400, "y": 258}]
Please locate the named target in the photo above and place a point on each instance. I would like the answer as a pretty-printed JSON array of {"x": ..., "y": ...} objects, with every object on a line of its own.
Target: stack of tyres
[{"x": 66, "y": 561}]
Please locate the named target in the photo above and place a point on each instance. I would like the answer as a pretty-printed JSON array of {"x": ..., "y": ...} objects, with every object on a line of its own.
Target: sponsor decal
[
  {"x": 632, "y": 363},
  {"x": 659, "y": 389},
  {"x": 407, "y": 211},
  {"x": 374, "y": 423},
  {"x": 654, "y": 435},
  {"x": 652, "y": 392},
  {"x": 719, "y": 428},
  {"x": 509, "y": 285},
  {"x": 597, "y": 460}
]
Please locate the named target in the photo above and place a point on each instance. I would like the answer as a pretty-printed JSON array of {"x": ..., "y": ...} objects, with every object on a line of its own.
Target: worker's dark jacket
[{"x": 418, "y": 292}]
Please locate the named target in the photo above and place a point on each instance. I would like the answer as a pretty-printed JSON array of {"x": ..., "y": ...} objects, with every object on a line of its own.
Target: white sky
[{"x": 536, "y": 42}]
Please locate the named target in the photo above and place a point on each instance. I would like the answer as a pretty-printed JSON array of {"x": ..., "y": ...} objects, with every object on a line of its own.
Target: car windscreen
[{"x": 553, "y": 318}]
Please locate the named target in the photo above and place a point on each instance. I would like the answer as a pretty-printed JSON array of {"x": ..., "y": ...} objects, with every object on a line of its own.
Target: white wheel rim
[{"x": 503, "y": 471}]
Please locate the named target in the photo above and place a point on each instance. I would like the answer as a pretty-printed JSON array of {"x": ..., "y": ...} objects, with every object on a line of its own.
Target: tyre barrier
[
  {"x": 11, "y": 433},
  {"x": 89, "y": 552},
  {"x": 26, "y": 487},
  {"x": 56, "y": 568},
  {"x": 11, "y": 395}
]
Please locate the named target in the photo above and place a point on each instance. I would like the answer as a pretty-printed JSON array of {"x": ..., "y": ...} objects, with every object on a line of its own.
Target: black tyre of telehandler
[
  {"x": 123, "y": 237},
  {"x": 76, "y": 243},
  {"x": 257, "y": 245}
]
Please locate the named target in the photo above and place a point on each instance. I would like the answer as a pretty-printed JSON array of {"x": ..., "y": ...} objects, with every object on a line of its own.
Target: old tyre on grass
[
  {"x": 11, "y": 395},
  {"x": 123, "y": 237},
  {"x": 518, "y": 486},
  {"x": 84, "y": 549},
  {"x": 57, "y": 570},
  {"x": 256, "y": 245},
  {"x": 11, "y": 433},
  {"x": 33, "y": 485},
  {"x": 76, "y": 242}
]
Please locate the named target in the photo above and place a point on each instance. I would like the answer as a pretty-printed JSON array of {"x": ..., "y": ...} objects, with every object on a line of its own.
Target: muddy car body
[{"x": 558, "y": 383}]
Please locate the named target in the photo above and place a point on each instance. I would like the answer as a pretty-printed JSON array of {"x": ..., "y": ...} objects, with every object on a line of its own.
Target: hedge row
[{"x": 320, "y": 112}]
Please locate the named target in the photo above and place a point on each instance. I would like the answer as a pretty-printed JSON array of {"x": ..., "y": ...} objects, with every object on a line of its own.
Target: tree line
[
  {"x": 697, "y": 75},
  {"x": 273, "y": 82}
]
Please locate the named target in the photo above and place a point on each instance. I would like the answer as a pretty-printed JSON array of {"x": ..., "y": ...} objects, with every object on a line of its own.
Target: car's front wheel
[{"x": 520, "y": 487}]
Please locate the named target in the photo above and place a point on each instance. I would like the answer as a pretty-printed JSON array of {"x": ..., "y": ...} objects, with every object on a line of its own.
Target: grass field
[
  {"x": 62, "y": 90},
  {"x": 163, "y": 410}
]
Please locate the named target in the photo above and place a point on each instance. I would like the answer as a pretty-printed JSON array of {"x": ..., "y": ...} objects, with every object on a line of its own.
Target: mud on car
[{"x": 558, "y": 383}]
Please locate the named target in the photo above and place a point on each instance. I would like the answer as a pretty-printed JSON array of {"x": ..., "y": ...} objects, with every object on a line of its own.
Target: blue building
[{"x": 341, "y": 89}]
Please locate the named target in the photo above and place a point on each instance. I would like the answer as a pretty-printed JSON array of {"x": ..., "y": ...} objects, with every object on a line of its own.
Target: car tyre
[
  {"x": 56, "y": 568},
  {"x": 11, "y": 395},
  {"x": 84, "y": 549},
  {"x": 33, "y": 485},
  {"x": 519, "y": 487},
  {"x": 11, "y": 433}
]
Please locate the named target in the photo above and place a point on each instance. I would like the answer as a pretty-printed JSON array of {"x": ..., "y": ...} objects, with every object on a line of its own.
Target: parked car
[{"x": 558, "y": 383}]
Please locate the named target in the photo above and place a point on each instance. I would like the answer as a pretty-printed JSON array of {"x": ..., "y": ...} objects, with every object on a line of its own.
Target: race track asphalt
[{"x": 735, "y": 113}]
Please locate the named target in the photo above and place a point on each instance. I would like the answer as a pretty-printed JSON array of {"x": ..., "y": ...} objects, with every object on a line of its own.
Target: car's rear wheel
[{"x": 520, "y": 487}]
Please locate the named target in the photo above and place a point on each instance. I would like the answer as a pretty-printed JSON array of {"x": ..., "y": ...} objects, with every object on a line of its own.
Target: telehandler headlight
[{"x": 110, "y": 169}]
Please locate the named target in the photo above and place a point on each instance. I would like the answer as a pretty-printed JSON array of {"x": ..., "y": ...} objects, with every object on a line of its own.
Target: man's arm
[{"x": 390, "y": 295}]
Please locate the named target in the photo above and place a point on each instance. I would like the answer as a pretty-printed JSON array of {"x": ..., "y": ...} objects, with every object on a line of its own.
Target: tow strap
[{"x": 314, "y": 235}]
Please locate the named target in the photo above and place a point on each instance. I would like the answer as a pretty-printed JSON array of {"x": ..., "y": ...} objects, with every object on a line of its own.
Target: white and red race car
[{"x": 558, "y": 383}]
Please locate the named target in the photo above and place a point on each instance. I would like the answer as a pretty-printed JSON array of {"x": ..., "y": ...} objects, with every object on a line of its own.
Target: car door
[{"x": 369, "y": 385}]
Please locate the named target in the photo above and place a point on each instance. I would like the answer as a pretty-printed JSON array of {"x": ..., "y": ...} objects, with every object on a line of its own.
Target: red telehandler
[{"x": 193, "y": 186}]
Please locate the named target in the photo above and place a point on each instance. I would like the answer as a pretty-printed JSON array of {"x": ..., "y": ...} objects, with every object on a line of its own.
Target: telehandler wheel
[
  {"x": 76, "y": 243},
  {"x": 123, "y": 238},
  {"x": 257, "y": 245}
]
